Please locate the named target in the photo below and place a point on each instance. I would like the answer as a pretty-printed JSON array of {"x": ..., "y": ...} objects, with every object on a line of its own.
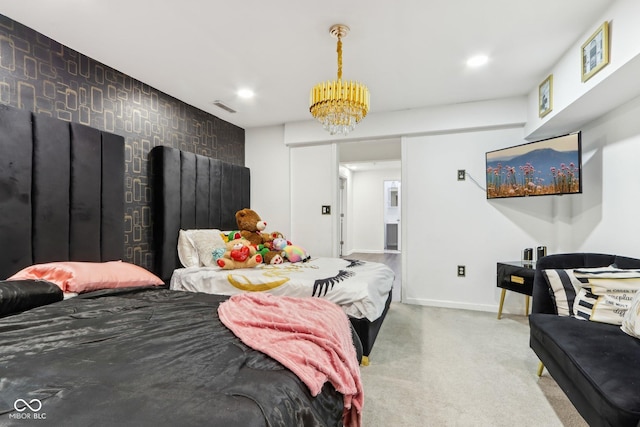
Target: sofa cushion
[{"x": 600, "y": 359}]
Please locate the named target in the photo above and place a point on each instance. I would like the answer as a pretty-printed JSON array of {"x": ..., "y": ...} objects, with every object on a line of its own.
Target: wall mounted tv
[{"x": 548, "y": 167}]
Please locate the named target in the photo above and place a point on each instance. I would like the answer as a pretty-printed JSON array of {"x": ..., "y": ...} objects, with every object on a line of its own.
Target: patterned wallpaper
[{"x": 43, "y": 76}]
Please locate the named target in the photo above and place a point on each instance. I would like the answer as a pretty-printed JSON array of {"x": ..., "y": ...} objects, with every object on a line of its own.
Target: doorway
[{"x": 392, "y": 215}]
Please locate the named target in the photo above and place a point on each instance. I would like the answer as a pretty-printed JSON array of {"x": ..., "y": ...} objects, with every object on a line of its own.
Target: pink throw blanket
[{"x": 310, "y": 336}]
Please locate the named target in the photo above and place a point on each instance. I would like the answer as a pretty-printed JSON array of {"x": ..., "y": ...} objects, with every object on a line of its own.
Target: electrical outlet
[
  {"x": 462, "y": 174},
  {"x": 462, "y": 270}
]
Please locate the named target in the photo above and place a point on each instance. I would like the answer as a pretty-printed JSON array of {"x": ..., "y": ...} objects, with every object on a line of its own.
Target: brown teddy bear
[
  {"x": 240, "y": 254},
  {"x": 251, "y": 227}
]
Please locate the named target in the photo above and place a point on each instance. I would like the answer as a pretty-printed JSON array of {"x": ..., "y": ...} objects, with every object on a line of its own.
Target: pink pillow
[{"x": 89, "y": 276}]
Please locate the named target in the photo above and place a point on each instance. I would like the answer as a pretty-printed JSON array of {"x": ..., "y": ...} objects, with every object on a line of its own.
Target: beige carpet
[{"x": 445, "y": 367}]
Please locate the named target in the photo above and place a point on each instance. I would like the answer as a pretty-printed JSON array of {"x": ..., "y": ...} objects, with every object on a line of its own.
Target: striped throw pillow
[{"x": 564, "y": 286}]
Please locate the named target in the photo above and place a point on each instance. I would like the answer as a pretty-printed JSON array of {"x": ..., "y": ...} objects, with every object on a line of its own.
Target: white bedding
[{"x": 359, "y": 287}]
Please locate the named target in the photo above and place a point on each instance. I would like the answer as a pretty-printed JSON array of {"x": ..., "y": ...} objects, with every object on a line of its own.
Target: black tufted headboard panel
[
  {"x": 192, "y": 191},
  {"x": 61, "y": 192}
]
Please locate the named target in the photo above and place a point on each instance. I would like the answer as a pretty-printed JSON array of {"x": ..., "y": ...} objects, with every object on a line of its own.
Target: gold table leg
[
  {"x": 540, "y": 368},
  {"x": 526, "y": 305},
  {"x": 504, "y": 291}
]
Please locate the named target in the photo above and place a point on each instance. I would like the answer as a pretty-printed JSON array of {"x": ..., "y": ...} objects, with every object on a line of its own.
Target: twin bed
[
  {"x": 137, "y": 353},
  {"x": 193, "y": 192}
]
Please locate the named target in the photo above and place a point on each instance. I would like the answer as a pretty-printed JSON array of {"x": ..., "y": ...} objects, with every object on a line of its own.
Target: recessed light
[
  {"x": 477, "y": 61},
  {"x": 246, "y": 93}
]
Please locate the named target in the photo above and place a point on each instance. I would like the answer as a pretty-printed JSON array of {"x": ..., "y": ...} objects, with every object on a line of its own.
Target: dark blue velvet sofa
[{"x": 597, "y": 365}]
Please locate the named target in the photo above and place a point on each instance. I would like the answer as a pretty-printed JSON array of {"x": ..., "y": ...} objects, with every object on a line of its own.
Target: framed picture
[
  {"x": 545, "y": 96},
  {"x": 595, "y": 52}
]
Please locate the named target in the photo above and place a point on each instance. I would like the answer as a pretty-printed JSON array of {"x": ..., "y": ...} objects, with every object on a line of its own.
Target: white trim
[
  {"x": 369, "y": 251},
  {"x": 455, "y": 304}
]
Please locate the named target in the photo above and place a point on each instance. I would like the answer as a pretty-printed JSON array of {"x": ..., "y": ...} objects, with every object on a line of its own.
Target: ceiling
[{"x": 410, "y": 53}]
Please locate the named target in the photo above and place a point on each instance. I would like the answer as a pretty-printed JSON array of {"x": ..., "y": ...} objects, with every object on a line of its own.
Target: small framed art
[
  {"x": 595, "y": 52},
  {"x": 545, "y": 96}
]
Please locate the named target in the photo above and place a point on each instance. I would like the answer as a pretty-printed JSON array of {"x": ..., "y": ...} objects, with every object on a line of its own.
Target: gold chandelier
[{"x": 339, "y": 105}]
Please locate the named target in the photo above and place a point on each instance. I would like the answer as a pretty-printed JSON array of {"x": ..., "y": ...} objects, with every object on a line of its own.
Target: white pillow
[
  {"x": 195, "y": 247},
  {"x": 607, "y": 307},
  {"x": 631, "y": 320},
  {"x": 606, "y": 293}
]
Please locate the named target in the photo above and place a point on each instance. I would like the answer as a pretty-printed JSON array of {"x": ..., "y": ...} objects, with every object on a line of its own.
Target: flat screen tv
[{"x": 548, "y": 167}]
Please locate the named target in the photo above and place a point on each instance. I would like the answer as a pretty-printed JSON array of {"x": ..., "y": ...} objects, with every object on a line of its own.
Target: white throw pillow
[
  {"x": 607, "y": 307},
  {"x": 631, "y": 320},
  {"x": 195, "y": 247},
  {"x": 606, "y": 293}
]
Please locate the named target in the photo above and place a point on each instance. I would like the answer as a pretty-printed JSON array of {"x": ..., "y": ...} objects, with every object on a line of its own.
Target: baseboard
[
  {"x": 366, "y": 251},
  {"x": 453, "y": 304}
]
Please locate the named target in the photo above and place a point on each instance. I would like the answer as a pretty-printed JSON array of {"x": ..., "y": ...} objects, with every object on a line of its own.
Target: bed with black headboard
[
  {"x": 194, "y": 192},
  {"x": 128, "y": 353},
  {"x": 61, "y": 191}
]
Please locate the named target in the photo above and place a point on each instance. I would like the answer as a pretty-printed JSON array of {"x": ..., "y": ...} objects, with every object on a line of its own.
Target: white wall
[
  {"x": 575, "y": 101},
  {"x": 268, "y": 160},
  {"x": 367, "y": 213},
  {"x": 451, "y": 223},
  {"x": 294, "y": 183},
  {"x": 605, "y": 218}
]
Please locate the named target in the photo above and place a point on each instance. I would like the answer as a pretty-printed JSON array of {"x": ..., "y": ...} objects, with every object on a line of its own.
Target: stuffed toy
[
  {"x": 231, "y": 235},
  {"x": 251, "y": 226},
  {"x": 240, "y": 254},
  {"x": 292, "y": 253},
  {"x": 279, "y": 243},
  {"x": 272, "y": 236}
]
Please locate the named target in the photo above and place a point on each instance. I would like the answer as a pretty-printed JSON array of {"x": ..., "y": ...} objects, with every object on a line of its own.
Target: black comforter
[{"x": 145, "y": 357}]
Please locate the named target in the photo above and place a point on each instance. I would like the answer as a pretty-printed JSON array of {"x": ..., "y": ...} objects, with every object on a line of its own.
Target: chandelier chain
[{"x": 339, "y": 50}]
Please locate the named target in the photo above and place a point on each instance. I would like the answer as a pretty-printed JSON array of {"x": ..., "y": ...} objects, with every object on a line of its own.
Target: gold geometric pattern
[{"x": 41, "y": 75}]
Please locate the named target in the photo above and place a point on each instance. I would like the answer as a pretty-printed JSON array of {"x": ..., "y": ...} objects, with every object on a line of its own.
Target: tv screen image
[{"x": 550, "y": 166}]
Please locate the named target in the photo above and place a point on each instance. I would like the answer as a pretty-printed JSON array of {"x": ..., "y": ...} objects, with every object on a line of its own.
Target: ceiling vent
[{"x": 224, "y": 106}]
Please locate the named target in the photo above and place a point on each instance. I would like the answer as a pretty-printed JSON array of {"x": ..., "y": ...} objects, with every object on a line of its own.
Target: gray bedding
[{"x": 145, "y": 357}]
